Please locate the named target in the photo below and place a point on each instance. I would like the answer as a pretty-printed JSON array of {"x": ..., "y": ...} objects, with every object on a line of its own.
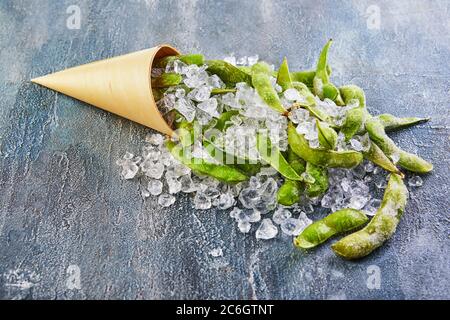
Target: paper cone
[{"x": 120, "y": 85}]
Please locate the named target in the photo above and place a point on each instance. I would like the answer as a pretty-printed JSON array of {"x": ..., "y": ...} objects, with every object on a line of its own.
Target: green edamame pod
[
  {"x": 216, "y": 91},
  {"x": 307, "y": 77},
  {"x": 227, "y": 72},
  {"x": 392, "y": 123},
  {"x": 245, "y": 69},
  {"x": 261, "y": 82},
  {"x": 327, "y": 136},
  {"x": 350, "y": 92},
  {"x": 381, "y": 227},
  {"x": 224, "y": 120},
  {"x": 166, "y": 80},
  {"x": 320, "y": 157},
  {"x": 297, "y": 163},
  {"x": 321, "y": 83},
  {"x": 354, "y": 120},
  {"x": 336, "y": 223},
  {"x": 197, "y": 59},
  {"x": 220, "y": 172},
  {"x": 283, "y": 77},
  {"x": 320, "y": 184},
  {"x": 377, "y": 156},
  {"x": 289, "y": 193},
  {"x": 406, "y": 160},
  {"x": 262, "y": 67},
  {"x": 273, "y": 156}
]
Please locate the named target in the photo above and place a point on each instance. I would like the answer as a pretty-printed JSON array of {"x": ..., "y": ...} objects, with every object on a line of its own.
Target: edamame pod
[
  {"x": 289, "y": 192},
  {"x": 336, "y": 223},
  {"x": 381, "y": 227},
  {"x": 320, "y": 184},
  {"x": 166, "y": 80},
  {"x": 320, "y": 157},
  {"x": 327, "y": 136},
  {"x": 227, "y": 72},
  {"x": 220, "y": 172},
  {"x": 377, "y": 156},
  {"x": 307, "y": 77},
  {"x": 297, "y": 163},
  {"x": 261, "y": 82},
  {"x": 273, "y": 156},
  {"x": 350, "y": 92},
  {"x": 197, "y": 59},
  {"x": 392, "y": 123},
  {"x": 354, "y": 121},
  {"x": 406, "y": 160},
  {"x": 216, "y": 91},
  {"x": 283, "y": 77}
]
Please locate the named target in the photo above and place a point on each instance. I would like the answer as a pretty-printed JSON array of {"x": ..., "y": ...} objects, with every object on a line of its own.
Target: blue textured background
[{"x": 62, "y": 202}]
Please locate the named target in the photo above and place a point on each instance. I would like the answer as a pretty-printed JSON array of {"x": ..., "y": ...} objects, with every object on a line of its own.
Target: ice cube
[
  {"x": 244, "y": 227},
  {"x": 217, "y": 252},
  {"x": 155, "y": 187},
  {"x": 166, "y": 200},
  {"x": 267, "y": 230},
  {"x": 280, "y": 215},
  {"x": 292, "y": 226},
  {"x": 186, "y": 108},
  {"x": 155, "y": 139},
  {"x": 292, "y": 95},
  {"x": 415, "y": 181},
  {"x": 226, "y": 201},
  {"x": 202, "y": 201}
]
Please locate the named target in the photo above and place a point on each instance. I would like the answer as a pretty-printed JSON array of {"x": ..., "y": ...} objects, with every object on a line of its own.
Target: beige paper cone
[{"x": 120, "y": 85}]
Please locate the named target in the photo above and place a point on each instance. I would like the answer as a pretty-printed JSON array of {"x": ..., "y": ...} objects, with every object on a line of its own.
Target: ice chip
[
  {"x": 166, "y": 200},
  {"x": 415, "y": 181},
  {"x": 292, "y": 95},
  {"x": 267, "y": 230},
  {"x": 202, "y": 201},
  {"x": 292, "y": 226},
  {"x": 280, "y": 215},
  {"x": 155, "y": 187},
  {"x": 244, "y": 227},
  {"x": 226, "y": 201}
]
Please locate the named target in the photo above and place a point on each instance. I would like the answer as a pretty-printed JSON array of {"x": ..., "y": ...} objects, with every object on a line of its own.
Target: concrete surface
[{"x": 70, "y": 228}]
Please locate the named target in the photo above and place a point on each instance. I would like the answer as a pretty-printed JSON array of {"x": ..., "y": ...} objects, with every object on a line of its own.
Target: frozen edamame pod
[
  {"x": 227, "y": 72},
  {"x": 406, "y": 160},
  {"x": 197, "y": 59},
  {"x": 321, "y": 82},
  {"x": 307, "y": 76},
  {"x": 289, "y": 192},
  {"x": 336, "y": 223},
  {"x": 272, "y": 155},
  {"x": 381, "y": 227},
  {"x": 283, "y": 77},
  {"x": 354, "y": 121},
  {"x": 320, "y": 157},
  {"x": 297, "y": 163},
  {"x": 166, "y": 80},
  {"x": 392, "y": 123},
  {"x": 350, "y": 92},
  {"x": 262, "y": 67},
  {"x": 320, "y": 184},
  {"x": 327, "y": 136},
  {"x": 216, "y": 91},
  {"x": 261, "y": 82},
  {"x": 377, "y": 156},
  {"x": 220, "y": 172}
]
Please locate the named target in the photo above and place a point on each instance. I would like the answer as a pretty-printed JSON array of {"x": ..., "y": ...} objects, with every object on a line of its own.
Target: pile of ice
[{"x": 252, "y": 202}]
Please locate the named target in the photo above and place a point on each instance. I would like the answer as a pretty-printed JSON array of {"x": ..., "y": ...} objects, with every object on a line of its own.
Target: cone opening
[{"x": 161, "y": 52}]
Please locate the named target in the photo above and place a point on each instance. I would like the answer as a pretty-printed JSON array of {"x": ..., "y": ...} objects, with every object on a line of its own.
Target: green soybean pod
[
  {"x": 381, "y": 227},
  {"x": 406, "y": 160},
  {"x": 350, "y": 92},
  {"x": 307, "y": 76},
  {"x": 261, "y": 82},
  {"x": 320, "y": 157},
  {"x": 273, "y": 156},
  {"x": 392, "y": 123},
  {"x": 284, "y": 77},
  {"x": 338, "y": 222},
  {"x": 354, "y": 121},
  {"x": 227, "y": 72},
  {"x": 166, "y": 80},
  {"x": 320, "y": 184},
  {"x": 194, "y": 58},
  {"x": 217, "y": 91},
  {"x": 297, "y": 163},
  {"x": 289, "y": 192},
  {"x": 262, "y": 67},
  {"x": 377, "y": 156},
  {"x": 220, "y": 172},
  {"x": 327, "y": 136}
]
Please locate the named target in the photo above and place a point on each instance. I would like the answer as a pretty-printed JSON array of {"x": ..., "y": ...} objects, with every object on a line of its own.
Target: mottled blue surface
[{"x": 64, "y": 210}]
